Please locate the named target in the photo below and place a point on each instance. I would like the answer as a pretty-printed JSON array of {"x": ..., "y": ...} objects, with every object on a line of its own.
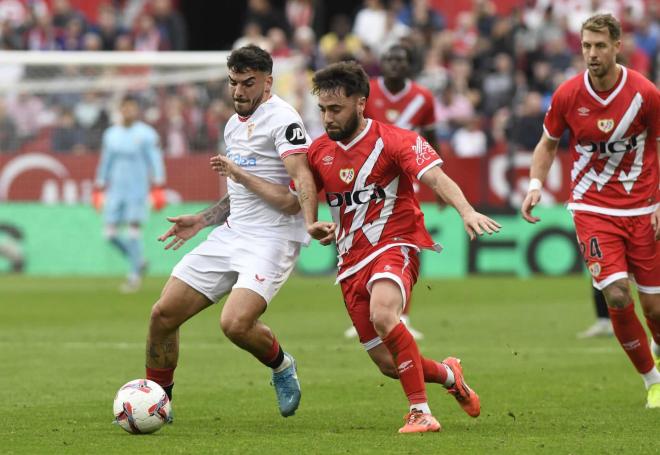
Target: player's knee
[
  {"x": 162, "y": 321},
  {"x": 234, "y": 328},
  {"x": 617, "y": 295},
  {"x": 383, "y": 320}
]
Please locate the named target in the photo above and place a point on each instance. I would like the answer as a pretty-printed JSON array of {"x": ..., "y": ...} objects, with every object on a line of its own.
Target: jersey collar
[
  {"x": 613, "y": 95},
  {"x": 357, "y": 138},
  {"x": 394, "y": 97}
]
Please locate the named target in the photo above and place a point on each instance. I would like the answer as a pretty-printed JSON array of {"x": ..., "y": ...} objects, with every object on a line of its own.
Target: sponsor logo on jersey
[
  {"x": 624, "y": 145},
  {"x": 583, "y": 111},
  {"x": 422, "y": 151},
  {"x": 327, "y": 160},
  {"x": 594, "y": 269},
  {"x": 357, "y": 197},
  {"x": 605, "y": 124},
  {"x": 347, "y": 175},
  {"x": 260, "y": 279},
  {"x": 241, "y": 160},
  {"x": 250, "y": 129},
  {"x": 295, "y": 134}
]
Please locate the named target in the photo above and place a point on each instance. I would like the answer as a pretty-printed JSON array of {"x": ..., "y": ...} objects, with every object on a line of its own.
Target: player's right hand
[
  {"x": 531, "y": 200},
  {"x": 98, "y": 198},
  {"x": 185, "y": 227},
  {"x": 323, "y": 231}
]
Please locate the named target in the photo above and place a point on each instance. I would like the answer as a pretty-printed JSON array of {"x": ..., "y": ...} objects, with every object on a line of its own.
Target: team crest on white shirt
[
  {"x": 250, "y": 129},
  {"x": 605, "y": 124},
  {"x": 347, "y": 175}
]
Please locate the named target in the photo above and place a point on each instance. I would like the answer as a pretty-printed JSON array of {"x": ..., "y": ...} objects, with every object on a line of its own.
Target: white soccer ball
[{"x": 141, "y": 406}]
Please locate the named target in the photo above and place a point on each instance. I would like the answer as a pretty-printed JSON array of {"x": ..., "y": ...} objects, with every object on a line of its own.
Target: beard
[
  {"x": 247, "y": 107},
  {"x": 346, "y": 131}
]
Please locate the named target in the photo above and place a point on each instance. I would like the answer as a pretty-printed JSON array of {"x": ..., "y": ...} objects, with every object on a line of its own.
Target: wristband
[{"x": 534, "y": 184}]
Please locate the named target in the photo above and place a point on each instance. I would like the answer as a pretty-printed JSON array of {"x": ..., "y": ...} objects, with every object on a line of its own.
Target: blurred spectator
[
  {"x": 108, "y": 28},
  {"x": 72, "y": 37},
  {"x": 8, "y": 134},
  {"x": 13, "y": 12},
  {"x": 29, "y": 113},
  {"x": 371, "y": 24},
  {"x": 305, "y": 13},
  {"x": 339, "y": 41},
  {"x": 124, "y": 42},
  {"x": 647, "y": 36},
  {"x": 92, "y": 42},
  {"x": 10, "y": 38},
  {"x": 418, "y": 14},
  {"x": 526, "y": 125},
  {"x": 279, "y": 46},
  {"x": 41, "y": 35},
  {"x": 498, "y": 87},
  {"x": 252, "y": 34},
  {"x": 453, "y": 111},
  {"x": 267, "y": 16},
  {"x": 633, "y": 57},
  {"x": 464, "y": 37},
  {"x": 304, "y": 43},
  {"x": 147, "y": 37},
  {"x": 172, "y": 128},
  {"x": 470, "y": 141},
  {"x": 63, "y": 13},
  {"x": 171, "y": 25},
  {"x": 67, "y": 137},
  {"x": 91, "y": 115}
]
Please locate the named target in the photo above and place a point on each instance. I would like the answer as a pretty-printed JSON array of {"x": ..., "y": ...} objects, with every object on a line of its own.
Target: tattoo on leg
[{"x": 162, "y": 354}]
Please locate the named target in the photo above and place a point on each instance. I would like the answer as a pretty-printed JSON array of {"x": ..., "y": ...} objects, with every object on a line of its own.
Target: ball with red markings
[{"x": 141, "y": 406}]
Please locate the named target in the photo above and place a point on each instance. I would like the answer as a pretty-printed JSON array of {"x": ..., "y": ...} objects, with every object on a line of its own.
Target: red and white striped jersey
[
  {"x": 613, "y": 141},
  {"x": 413, "y": 108},
  {"x": 368, "y": 186}
]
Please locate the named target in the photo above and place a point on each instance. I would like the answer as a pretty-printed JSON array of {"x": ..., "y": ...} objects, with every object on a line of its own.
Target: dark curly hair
[
  {"x": 250, "y": 57},
  {"x": 347, "y": 75}
]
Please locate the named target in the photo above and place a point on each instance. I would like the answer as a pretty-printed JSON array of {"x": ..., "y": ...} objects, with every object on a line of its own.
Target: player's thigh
[
  {"x": 136, "y": 211},
  {"x": 178, "y": 302},
  {"x": 210, "y": 275},
  {"x": 602, "y": 244},
  {"x": 356, "y": 299},
  {"x": 391, "y": 279},
  {"x": 113, "y": 210},
  {"x": 643, "y": 253},
  {"x": 264, "y": 265}
]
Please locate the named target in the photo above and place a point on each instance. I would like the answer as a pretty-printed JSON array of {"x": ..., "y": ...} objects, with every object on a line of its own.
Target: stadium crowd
[{"x": 492, "y": 74}]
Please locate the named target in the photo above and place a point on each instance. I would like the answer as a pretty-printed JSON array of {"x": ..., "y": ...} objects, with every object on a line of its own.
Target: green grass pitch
[{"x": 66, "y": 345}]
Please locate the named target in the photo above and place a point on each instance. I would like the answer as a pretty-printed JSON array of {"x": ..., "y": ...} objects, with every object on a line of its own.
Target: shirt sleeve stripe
[
  {"x": 550, "y": 135},
  {"x": 293, "y": 152},
  {"x": 437, "y": 162}
]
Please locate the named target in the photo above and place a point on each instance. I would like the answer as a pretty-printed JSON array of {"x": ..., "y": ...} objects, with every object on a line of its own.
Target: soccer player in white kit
[{"x": 254, "y": 249}]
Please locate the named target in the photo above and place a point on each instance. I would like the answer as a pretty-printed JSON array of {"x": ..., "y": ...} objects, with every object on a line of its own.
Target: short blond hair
[{"x": 600, "y": 22}]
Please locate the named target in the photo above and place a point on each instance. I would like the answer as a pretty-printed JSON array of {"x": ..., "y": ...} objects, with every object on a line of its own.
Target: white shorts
[{"x": 230, "y": 259}]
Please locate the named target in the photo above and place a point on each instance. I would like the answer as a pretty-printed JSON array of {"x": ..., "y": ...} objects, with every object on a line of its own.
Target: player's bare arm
[
  {"x": 475, "y": 223},
  {"x": 186, "y": 227},
  {"x": 544, "y": 154},
  {"x": 276, "y": 195},
  {"x": 655, "y": 216}
]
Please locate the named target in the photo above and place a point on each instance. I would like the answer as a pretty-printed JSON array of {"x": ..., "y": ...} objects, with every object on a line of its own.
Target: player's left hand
[
  {"x": 476, "y": 224},
  {"x": 226, "y": 167},
  {"x": 323, "y": 231},
  {"x": 655, "y": 223}
]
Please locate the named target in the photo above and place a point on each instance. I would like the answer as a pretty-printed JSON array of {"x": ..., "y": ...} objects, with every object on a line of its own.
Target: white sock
[
  {"x": 652, "y": 377},
  {"x": 451, "y": 380},
  {"x": 424, "y": 407},
  {"x": 286, "y": 362},
  {"x": 655, "y": 347}
]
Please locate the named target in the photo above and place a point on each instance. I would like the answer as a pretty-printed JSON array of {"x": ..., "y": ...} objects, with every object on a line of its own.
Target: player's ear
[
  {"x": 268, "y": 83},
  {"x": 361, "y": 104}
]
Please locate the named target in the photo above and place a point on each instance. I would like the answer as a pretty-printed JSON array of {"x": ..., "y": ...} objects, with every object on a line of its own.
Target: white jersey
[{"x": 258, "y": 144}]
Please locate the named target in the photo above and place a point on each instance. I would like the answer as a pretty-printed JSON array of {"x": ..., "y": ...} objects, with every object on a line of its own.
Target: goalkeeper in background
[{"x": 131, "y": 163}]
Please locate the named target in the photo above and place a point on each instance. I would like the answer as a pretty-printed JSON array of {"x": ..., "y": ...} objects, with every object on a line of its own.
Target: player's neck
[
  {"x": 128, "y": 124},
  {"x": 361, "y": 126},
  {"x": 607, "y": 82},
  {"x": 394, "y": 86}
]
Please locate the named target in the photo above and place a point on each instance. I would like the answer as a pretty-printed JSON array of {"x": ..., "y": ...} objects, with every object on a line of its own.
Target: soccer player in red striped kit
[{"x": 612, "y": 113}]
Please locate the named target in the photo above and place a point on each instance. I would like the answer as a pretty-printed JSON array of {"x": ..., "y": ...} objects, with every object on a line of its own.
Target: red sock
[
  {"x": 406, "y": 357},
  {"x": 273, "y": 358},
  {"x": 433, "y": 371},
  {"x": 654, "y": 327},
  {"x": 631, "y": 336},
  {"x": 164, "y": 377}
]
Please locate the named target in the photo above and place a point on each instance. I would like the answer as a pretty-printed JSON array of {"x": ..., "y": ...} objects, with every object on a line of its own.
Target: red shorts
[
  {"x": 399, "y": 264},
  {"x": 615, "y": 246}
]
